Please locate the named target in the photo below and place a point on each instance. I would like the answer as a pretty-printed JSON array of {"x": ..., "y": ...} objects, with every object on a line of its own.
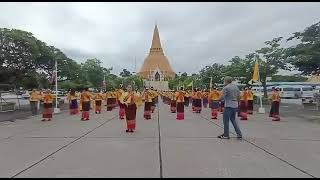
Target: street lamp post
[
  {"x": 179, "y": 80},
  {"x": 56, "y": 109}
]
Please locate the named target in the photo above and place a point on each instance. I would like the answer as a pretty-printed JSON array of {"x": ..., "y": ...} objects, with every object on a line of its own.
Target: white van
[
  {"x": 316, "y": 90},
  {"x": 289, "y": 92},
  {"x": 307, "y": 92},
  {"x": 256, "y": 90}
]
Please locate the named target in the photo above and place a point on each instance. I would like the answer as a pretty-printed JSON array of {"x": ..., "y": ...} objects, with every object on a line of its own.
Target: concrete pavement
[{"x": 161, "y": 147}]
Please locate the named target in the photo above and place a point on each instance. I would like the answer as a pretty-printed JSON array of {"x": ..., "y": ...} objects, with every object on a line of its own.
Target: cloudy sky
[{"x": 192, "y": 34}]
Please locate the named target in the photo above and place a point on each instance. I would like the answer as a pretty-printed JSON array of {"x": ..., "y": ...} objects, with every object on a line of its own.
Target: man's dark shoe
[{"x": 223, "y": 137}]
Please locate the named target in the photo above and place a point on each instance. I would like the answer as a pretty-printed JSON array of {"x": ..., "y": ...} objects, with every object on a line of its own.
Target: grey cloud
[{"x": 193, "y": 34}]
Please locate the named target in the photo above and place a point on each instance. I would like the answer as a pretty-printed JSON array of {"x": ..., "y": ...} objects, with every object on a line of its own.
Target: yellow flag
[
  {"x": 190, "y": 84},
  {"x": 255, "y": 77}
]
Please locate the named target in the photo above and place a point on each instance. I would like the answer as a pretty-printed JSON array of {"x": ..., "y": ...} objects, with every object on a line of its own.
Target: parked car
[
  {"x": 307, "y": 94},
  {"x": 20, "y": 92},
  {"x": 26, "y": 95}
]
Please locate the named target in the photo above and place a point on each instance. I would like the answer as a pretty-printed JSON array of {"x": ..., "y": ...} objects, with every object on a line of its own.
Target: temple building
[{"x": 156, "y": 66}]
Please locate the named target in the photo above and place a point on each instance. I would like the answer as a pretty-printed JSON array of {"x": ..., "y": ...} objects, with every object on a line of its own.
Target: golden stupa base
[{"x": 159, "y": 85}]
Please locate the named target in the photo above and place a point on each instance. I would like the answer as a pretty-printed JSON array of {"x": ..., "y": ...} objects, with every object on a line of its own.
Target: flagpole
[
  {"x": 260, "y": 92},
  {"x": 192, "y": 85},
  {"x": 56, "y": 110},
  {"x": 104, "y": 82},
  {"x": 261, "y": 109}
]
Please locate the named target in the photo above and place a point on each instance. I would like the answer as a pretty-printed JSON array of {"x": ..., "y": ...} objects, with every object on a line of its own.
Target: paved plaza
[{"x": 161, "y": 147}]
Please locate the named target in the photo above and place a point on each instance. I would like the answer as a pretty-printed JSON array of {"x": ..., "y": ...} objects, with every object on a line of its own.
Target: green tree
[
  {"x": 93, "y": 72},
  {"x": 18, "y": 51},
  {"x": 273, "y": 60},
  {"x": 24, "y": 58},
  {"x": 241, "y": 68},
  {"x": 215, "y": 71},
  {"x": 135, "y": 81},
  {"x": 292, "y": 78},
  {"x": 305, "y": 56},
  {"x": 68, "y": 69},
  {"x": 125, "y": 73}
]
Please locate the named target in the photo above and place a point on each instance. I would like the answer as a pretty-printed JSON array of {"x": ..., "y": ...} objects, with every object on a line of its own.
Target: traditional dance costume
[
  {"x": 109, "y": 97},
  {"x": 180, "y": 104},
  {"x": 198, "y": 104},
  {"x": 121, "y": 105},
  {"x": 73, "y": 104},
  {"x": 147, "y": 96},
  {"x": 34, "y": 100},
  {"x": 275, "y": 106},
  {"x": 193, "y": 98},
  {"x": 250, "y": 101},
  {"x": 98, "y": 100},
  {"x": 130, "y": 100},
  {"x": 154, "y": 97},
  {"x": 214, "y": 98},
  {"x": 187, "y": 99},
  {"x": 205, "y": 99},
  {"x": 243, "y": 105},
  {"x": 86, "y": 101},
  {"x": 173, "y": 105},
  {"x": 48, "y": 107}
]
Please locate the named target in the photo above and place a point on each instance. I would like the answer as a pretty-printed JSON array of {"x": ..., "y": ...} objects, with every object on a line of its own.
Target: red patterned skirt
[
  {"x": 98, "y": 105},
  {"x": 131, "y": 111},
  {"x": 180, "y": 110},
  {"x": 121, "y": 110},
  {"x": 48, "y": 110},
  {"x": 173, "y": 106},
  {"x": 147, "y": 110}
]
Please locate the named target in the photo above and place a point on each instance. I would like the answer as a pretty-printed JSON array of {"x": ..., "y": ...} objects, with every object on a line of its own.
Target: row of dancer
[
  {"x": 127, "y": 101},
  {"x": 150, "y": 98},
  {"x": 177, "y": 100},
  {"x": 180, "y": 99},
  {"x": 246, "y": 103}
]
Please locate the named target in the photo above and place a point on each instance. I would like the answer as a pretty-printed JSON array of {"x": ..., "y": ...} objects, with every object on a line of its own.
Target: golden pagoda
[{"x": 156, "y": 66}]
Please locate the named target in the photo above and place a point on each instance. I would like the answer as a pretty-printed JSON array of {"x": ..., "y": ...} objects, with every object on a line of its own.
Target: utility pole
[
  {"x": 135, "y": 64},
  {"x": 56, "y": 109}
]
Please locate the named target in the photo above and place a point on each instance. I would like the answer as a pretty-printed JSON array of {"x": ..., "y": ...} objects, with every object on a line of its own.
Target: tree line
[
  {"x": 29, "y": 62},
  {"x": 304, "y": 57}
]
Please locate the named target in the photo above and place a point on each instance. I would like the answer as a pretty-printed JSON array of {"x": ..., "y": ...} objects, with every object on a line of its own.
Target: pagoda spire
[
  {"x": 156, "y": 60},
  {"x": 156, "y": 44}
]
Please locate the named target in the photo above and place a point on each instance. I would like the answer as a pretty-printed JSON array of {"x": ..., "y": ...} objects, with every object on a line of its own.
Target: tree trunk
[
  {"x": 265, "y": 92},
  {"x": 264, "y": 83}
]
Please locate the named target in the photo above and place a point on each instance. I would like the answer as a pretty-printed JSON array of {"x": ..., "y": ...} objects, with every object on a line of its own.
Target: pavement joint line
[
  {"x": 46, "y": 157},
  {"x": 268, "y": 152},
  {"x": 6, "y": 138},
  {"x": 175, "y": 137},
  {"x": 48, "y": 125},
  {"x": 159, "y": 136},
  {"x": 39, "y": 137},
  {"x": 212, "y": 137},
  {"x": 129, "y": 137},
  {"x": 72, "y": 137},
  {"x": 301, "y": 139},
  {"x": 285, "y": 139}
]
